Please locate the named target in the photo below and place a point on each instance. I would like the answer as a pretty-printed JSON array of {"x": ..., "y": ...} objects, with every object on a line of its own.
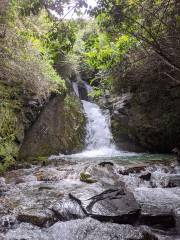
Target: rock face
[
  {"x": 59, "y": 128},
  {"x": 148, "y": 118}
]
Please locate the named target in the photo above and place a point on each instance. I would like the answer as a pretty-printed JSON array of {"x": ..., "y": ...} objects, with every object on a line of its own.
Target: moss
[
  {"x": 10, "y": 132},
  {"x": 86, "y": 177}
]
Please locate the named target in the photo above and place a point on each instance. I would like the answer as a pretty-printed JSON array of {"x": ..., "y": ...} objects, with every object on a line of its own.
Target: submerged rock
[
  {"x": 145, "y": 176},
  {"x": 132, "y": 169},
  {"x": 104, "y": 164},
  {"x": 40, "y": 218},
  {"x": 25, "y": 231},
  {"x": 177, "y": 219}
]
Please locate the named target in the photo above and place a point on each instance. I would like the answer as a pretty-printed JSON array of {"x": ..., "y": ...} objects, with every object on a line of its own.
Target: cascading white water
[
  {"x": 98, "y": 130},
  {"x": 99, "y": 140}
]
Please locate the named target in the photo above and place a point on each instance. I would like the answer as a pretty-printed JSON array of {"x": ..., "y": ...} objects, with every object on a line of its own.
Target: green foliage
[
  {"x": 9, "y": 129},
  {"x": 27, "y": 69},
  {"x": 153, "y": 23},
  {"x": 60, "y": 39},
  {"x": 33, "y": 7},
  {"x": 98, "y": 51},
  {"x": 27, "y": 46}
]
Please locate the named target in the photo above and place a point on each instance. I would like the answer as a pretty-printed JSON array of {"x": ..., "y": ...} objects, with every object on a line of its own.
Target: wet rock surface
[
  {"x": 68, "y": 209},
  {"x": 87, "y": 229},
  {"x": 114, "y": 205},
  {"x": 51, "y": 202},
  {"x": 41, "y": 218}
]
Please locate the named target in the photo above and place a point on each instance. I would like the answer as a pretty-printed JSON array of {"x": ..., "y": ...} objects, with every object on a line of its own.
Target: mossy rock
[{"x": 86, "y": 177}]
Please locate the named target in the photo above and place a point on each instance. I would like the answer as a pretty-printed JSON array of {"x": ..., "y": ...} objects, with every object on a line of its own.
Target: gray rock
[
  {"x": 115, "y": 205},
  {"x": 86, "y": 229},
  {"x": 157, "y": 206},
  {"x": 174, "y": 180},
  {"x": 89, "y": 229},
  {"x": 68, "y": 209},
  {"x": 104, "y": 164},
  {"x": 3, "y": 186}
]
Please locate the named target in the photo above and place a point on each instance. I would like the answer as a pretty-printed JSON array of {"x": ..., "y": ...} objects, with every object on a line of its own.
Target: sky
[{"x": 91, "y": 3}]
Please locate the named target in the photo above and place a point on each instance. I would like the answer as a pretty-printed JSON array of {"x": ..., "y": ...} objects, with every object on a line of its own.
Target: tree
[
  {"x": 154, "y": 23},
  {"x": 33, "y": 7}
]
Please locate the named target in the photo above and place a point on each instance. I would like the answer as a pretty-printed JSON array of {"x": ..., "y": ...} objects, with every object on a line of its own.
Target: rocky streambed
[{"x": 93, "y": 199}]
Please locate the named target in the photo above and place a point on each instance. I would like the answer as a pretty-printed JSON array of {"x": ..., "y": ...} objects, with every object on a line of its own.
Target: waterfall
[
  {"x": 99, "y": 140},
  {"x": 98, "y": 127}
]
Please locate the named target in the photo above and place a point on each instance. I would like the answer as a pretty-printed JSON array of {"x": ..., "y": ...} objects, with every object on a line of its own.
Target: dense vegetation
[
  {"x": 134, "y": 49},
  {"x": 126, "y": 33},
  {"x": 126, "y": 46},
  {"x": 30, "y": 45}
]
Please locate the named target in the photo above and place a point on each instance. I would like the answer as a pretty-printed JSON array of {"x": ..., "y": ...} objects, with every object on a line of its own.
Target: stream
[{"x": 102, "y": 193}]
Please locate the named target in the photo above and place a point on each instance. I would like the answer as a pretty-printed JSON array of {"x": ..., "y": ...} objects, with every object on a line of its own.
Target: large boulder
[
  {"x": 68, "y": 209},
  {"x": 59, "y": 128},
  {"x": 86, "y": 229},
  {"x": 114, "y": 205},
  {"x": 158, "y": 206}
]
